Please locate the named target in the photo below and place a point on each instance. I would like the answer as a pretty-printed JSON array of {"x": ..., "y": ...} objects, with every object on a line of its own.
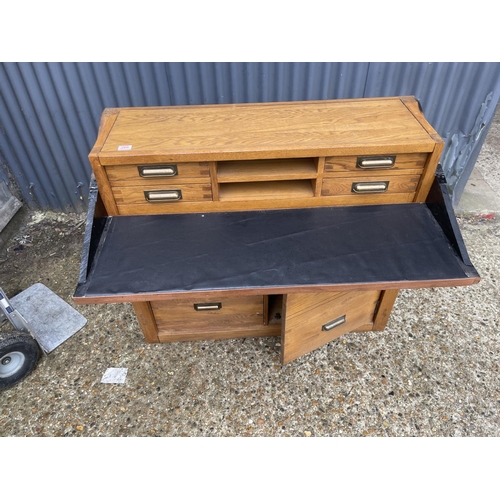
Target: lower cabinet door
[{"x": 311, "y": 320}]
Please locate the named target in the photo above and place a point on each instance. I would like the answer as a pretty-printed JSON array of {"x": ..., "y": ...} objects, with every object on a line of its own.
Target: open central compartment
[{"x": 267, "y": 179}]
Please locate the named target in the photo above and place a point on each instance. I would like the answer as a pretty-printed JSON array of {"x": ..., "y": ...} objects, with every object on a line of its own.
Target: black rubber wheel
[{"x": 19, "y": 353}]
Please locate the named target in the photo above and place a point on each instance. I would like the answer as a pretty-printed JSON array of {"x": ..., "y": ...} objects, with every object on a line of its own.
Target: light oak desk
[{"x": 298, "y": 219}]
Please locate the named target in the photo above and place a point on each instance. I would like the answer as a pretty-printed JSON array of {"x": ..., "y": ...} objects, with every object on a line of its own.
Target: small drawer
[
  {"x": 406, "y": 163},
  {"x": 369, "y": 185},
  {"x": 145, "y": 174},
  {"x": 162, "y": 193},
  {"x": 207, "y": 314}
]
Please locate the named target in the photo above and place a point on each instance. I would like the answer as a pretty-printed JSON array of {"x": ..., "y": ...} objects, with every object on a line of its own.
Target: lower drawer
[{"x": 175, "y": 317}]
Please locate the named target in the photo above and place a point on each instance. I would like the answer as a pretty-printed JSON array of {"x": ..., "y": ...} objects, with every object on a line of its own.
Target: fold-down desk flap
[{"x": 275, "y": 251}]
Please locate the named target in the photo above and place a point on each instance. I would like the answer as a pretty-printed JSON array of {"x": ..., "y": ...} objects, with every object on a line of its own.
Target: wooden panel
[
  {"x": 146, "y": 320},
  {"x": 413, "y": 106},
  {"x": 128, "y": 175},
  {"x": 240, "y": 205},
  {"x": 306, "y": 314},
  {"x": 264, "y": 130},
  {"x": 320, "y": 166},
  {"x": 191, "y": 335},
  {"x": 236, "y": 313},
  {"x": 177, "y": 207},
  {"x": 213, "y": 179},
  {"x": 108, "y": 119},
  {"x": 332, "y": 288},
  {"x": 266, "y": 170},
  {"x": 135, "y": 194},
  {"x": 387, "y": 299},
  {"x": 272, "y": 190},
  {"x": 338, "y": 186},
  {"x": 428, "y": 177},
  {"x": 414, "y": 162}
]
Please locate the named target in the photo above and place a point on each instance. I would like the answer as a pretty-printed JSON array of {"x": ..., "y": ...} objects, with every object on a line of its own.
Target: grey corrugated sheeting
[{"x": 49, "y": 112}]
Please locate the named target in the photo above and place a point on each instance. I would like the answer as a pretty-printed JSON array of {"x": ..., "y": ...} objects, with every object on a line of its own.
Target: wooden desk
[{"x": 294, "y": 219}]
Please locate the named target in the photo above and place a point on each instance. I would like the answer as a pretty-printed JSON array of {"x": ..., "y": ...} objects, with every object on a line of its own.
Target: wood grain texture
[
  {"x": 188, "y": 173},
  {"x": 271, "y": 130},
  {"x": 429, "y": 172},
  {"x": 213, "y": 180},
  {"x": 266, "y": 170},
  {"x": 320, "y": 168},
  {"x": 335, "y": 186},
  {"x": 412, "y": 104},
  {"x": 265, "y": 312},
  {"x": 108, "y": 119},
  {"x": 188, "y": 336},
  {"x": 305, "y": 315},
  {"x": 236, "y": 313},
  {"x": 271, "y": 190},
  {"x": 413, "y": 161},
  {"x": 384, "y": 308},
  {"x": 433, "y": 160},
  {"x": 125, "y": 195},
  {"x": 344, "y": 287},
  {"x": 146, "y": 320},
  {"x": 244, "y": 204}
]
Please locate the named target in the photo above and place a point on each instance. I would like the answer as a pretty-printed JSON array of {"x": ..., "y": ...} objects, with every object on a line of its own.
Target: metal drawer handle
[
  {"x": 370, "y": 187},
  {"x": 333, "y": 324},
  {"x": 376, "y": 162},
  {"x": 158, "y": 196},
  {"x": 157, "y": 170},
  {"x": 214, "y": 306}
]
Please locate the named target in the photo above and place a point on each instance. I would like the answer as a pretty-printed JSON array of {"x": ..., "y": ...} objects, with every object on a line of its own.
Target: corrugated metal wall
[{"x": 49, "y": 112}]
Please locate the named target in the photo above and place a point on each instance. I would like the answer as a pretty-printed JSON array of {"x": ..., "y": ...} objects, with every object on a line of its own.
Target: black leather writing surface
[{"x": 273, "y": 248}]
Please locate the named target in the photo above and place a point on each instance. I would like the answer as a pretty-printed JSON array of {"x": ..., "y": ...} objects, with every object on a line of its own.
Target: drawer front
[
  {"x": 311, "y": 320},
  {"x": 165, "y": 173},
  {"x": 207, "y": 314},
  {"x": 370, "y": 185},
  {"x": 162, "y": 194},
  {"x": 404, "y": 163}
]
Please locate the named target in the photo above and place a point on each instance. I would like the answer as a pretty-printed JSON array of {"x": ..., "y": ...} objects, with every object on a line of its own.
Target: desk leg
[
  {"x": 147, "y": 320},
  {"x": 387, "y": 299}
]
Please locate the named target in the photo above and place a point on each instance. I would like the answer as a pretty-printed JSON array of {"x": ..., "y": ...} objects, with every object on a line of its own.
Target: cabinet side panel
[
  {"x": 108, "y": 119},
  {"x": 387, "y": 299},
  {"x": 429, "y": 172}
]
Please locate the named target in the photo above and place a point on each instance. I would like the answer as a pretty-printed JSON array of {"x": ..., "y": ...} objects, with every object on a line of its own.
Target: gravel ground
[{"x": 434, "y": 371}]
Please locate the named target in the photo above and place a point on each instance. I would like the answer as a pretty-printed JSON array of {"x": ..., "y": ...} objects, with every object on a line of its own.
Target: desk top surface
[
  {"x": 265, "y": 130},
  {"x": 330, "y": 248}
]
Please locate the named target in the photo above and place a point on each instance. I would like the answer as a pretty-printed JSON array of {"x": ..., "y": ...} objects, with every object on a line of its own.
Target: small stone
[
  {"x": 307, "y": 434},
  {"x": 79, "y": 427}
]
